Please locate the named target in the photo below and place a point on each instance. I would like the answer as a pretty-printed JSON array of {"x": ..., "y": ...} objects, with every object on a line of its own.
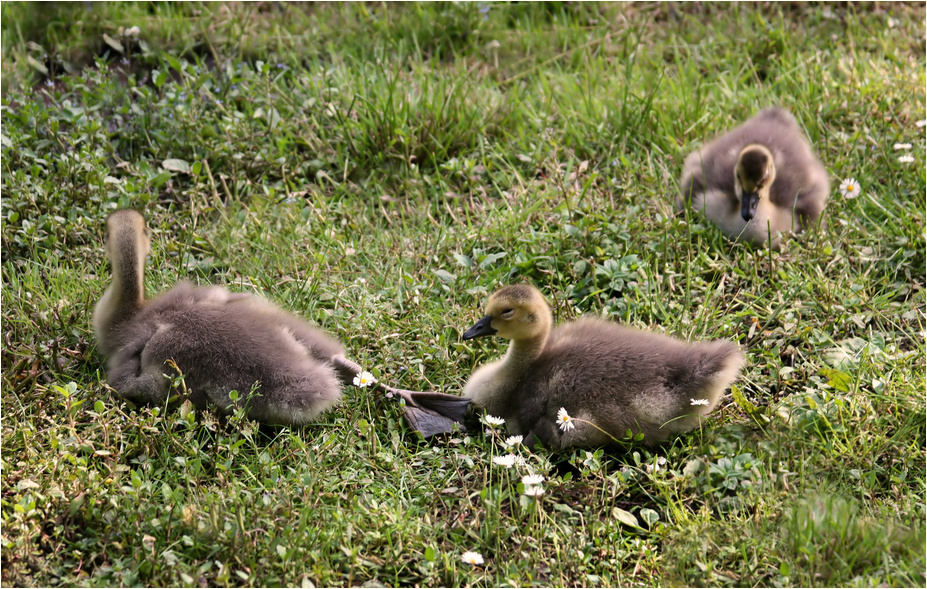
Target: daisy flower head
[
  {"x": 513, "y": 441},
  {"x": 849, "y": 188},
  {"x": 493, "y": 421},
  {"x": 508, "y": 460},
  {"x": 533, "y": 491},
  {"x": 660, "y": 463},
  {"x": 564, "y": 420},
  {"x": 363, "y": 380},
  {"x": 471, "y": 557},
  {"x": 532, "y": 480},
  {"x": 694, "y": 402},
  {"x": 902, "y": 146},
  {"x": 906, "y": 159}
]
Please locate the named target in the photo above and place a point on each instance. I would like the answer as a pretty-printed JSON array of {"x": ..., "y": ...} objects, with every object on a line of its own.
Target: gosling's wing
[{"x": 801, "y": 181}]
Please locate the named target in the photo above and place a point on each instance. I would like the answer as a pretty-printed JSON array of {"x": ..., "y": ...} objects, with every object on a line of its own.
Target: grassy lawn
[{"x": 379, "y": 169}]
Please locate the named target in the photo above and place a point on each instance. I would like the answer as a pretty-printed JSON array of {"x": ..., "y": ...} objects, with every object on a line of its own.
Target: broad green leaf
[
  {"x": 625, "y": 517},
  {"x": 36, "y": 65},
  {"x": 445, "y": 276},
  {"x": 838, "y": 379},
  {"x": 113, "y": 43},
  {"x": 742, "y": 401},
  {"x": 649, "y": 516},
  {"x": 176, "y": 165}
]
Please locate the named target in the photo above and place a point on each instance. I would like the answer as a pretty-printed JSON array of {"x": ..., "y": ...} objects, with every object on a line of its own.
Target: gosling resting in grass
[
  {"x": 220, "y": 341},
  {"x": 615, "y": 377},
  {"x": 757, "y": 181}
]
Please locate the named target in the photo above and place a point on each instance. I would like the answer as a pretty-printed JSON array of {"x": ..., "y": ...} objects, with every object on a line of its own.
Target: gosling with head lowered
[
  {"x": 219, "y": 340},
  {"x": 614, "y": 377},
  {"x": 758, "y": 181}
]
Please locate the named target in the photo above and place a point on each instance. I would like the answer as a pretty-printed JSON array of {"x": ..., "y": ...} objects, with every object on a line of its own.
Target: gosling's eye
[{"x": 508, "y": 313}]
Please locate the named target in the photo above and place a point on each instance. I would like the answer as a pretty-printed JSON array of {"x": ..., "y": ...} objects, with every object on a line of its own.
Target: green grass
[{"x": 379, "y": 169}]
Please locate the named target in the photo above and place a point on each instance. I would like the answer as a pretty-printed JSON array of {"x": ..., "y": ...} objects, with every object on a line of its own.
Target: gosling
[
  {"x": 218, "y": 340},
  {"x": 758, "y": 181},
  {"x": 617, "y": 378}
]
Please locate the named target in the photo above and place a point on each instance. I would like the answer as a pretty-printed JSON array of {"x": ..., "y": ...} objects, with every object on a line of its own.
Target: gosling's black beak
[
  {"x": 480, "y": 328},
  {"x": 748, "y": 205}
]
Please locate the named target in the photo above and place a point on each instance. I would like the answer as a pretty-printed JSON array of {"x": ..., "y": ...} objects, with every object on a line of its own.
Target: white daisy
[
  {"x": 472, "y": 557},
  {"x": 906, "y": 159},
  {"x": 902, "y": 146},
  {"x": 564, "y": 420},
  {"x": 533, "y": 491},
  {"x": 513, "y": 441},
  {"x": 532, "y": 480},
  {"x": 364, "y": 379},
  {"x": 491, "y": 420},
  {"x": 661, "y": 462},
  {"x": 508, "y": 460},
  {"x": 921, "y": 124},
  {"x": 698, "y": 401},
  {"x": 849, "y": 188}
]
